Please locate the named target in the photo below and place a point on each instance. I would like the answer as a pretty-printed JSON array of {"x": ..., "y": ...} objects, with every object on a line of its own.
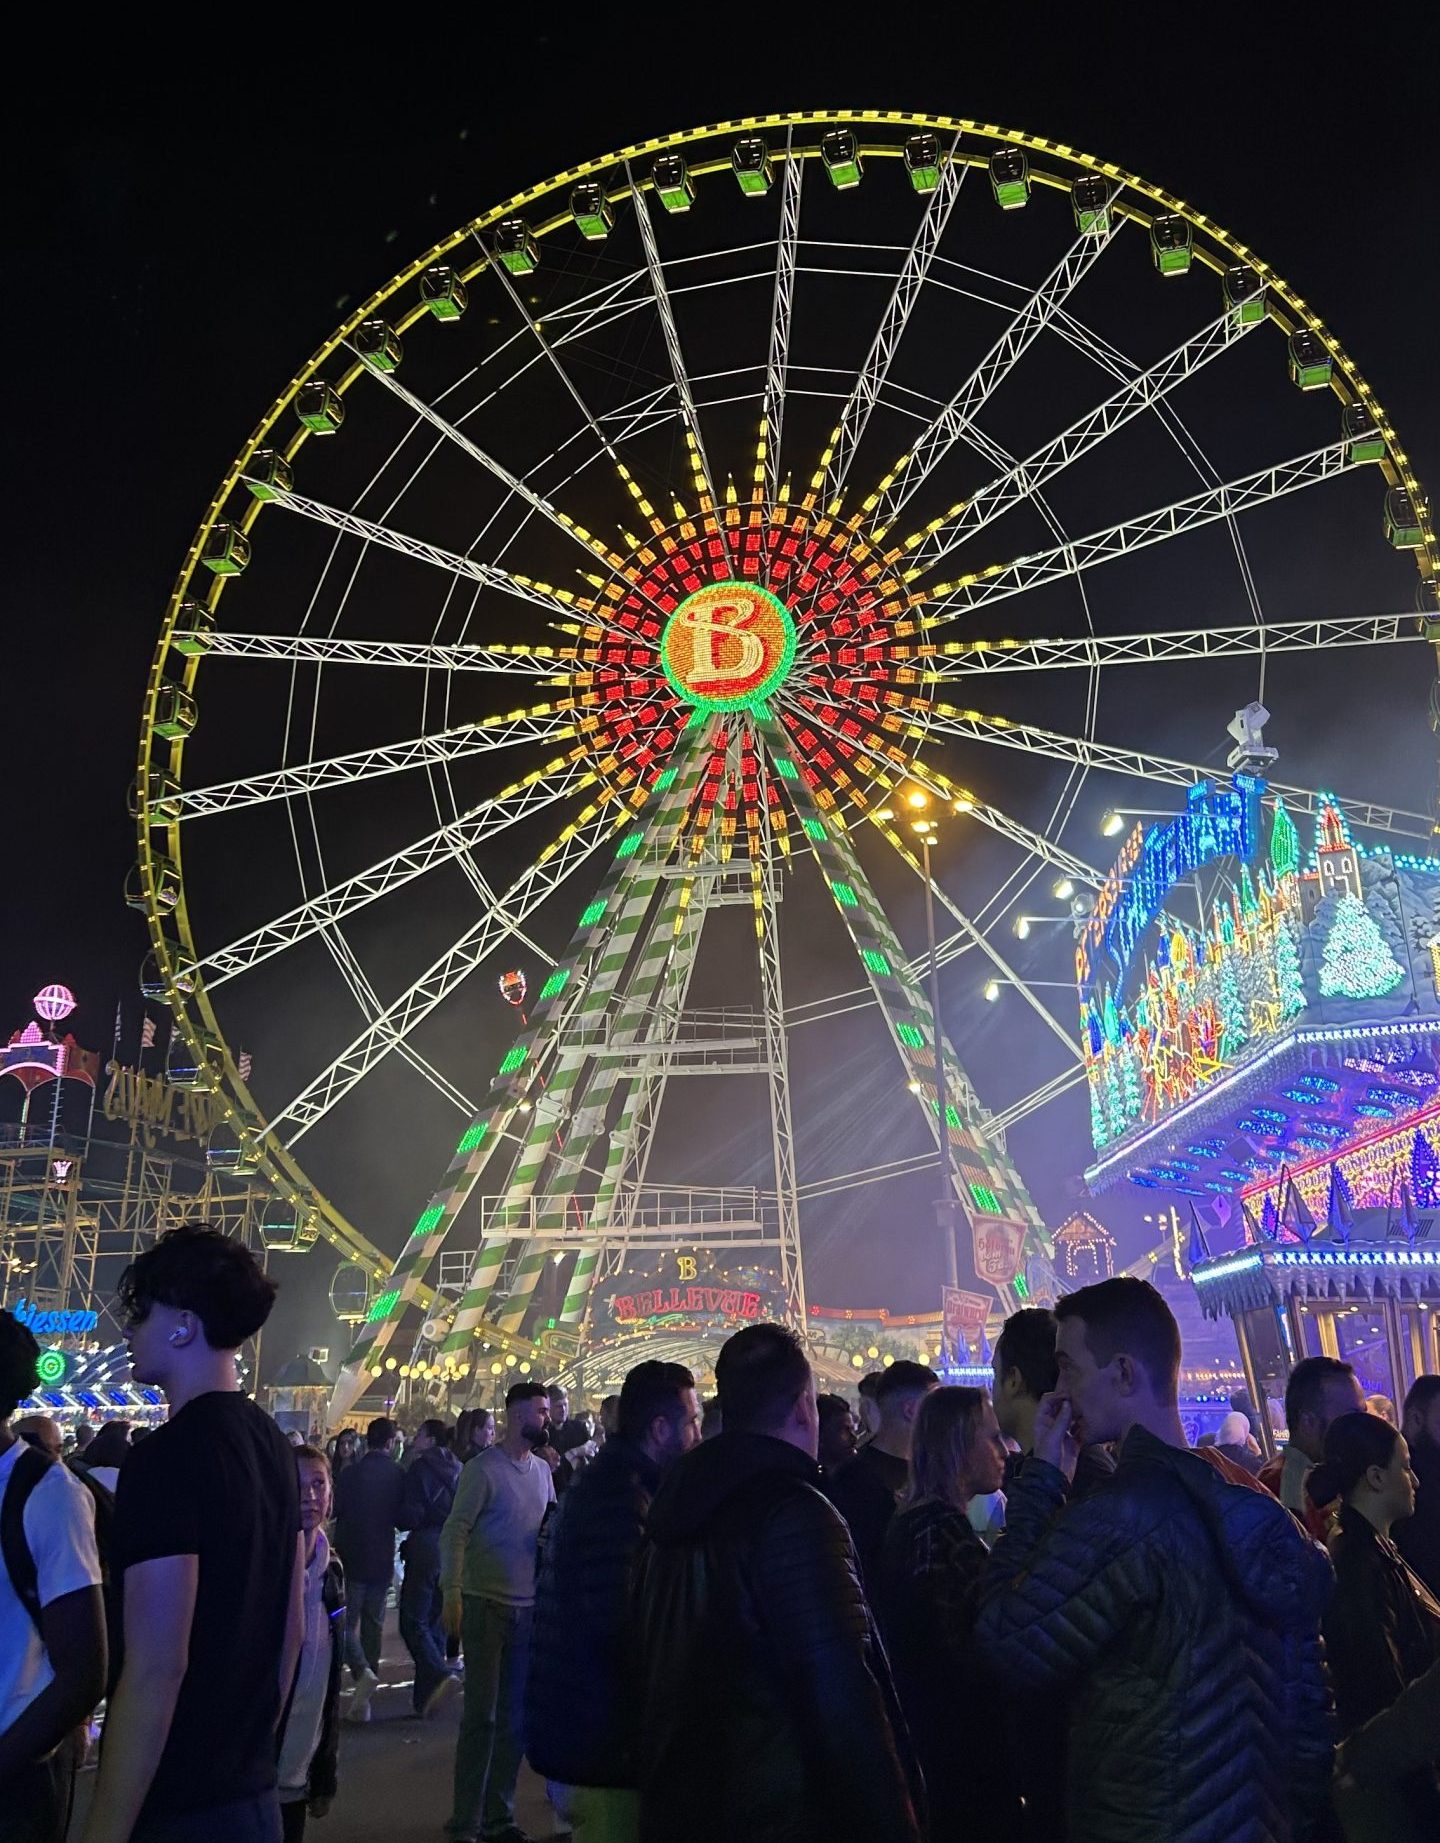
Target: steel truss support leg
[{"x": 777, "y": 1056}]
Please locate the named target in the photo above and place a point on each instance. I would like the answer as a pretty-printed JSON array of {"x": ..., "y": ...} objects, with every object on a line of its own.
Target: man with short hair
[
  {"x": 52, "y": 1622},
  {"x": 869, "y": 1408},
  {"x": 39, "y": 1431},
  {"x": 210, "y": 1557},
  {"x": 580, "y": 1727},
  {"x": 610, "y": 1416},
  {"x": 867, "y": 1490},
  {"x": 1025, "y": 1371},
  {"x": 1181, "y": 1613},
  {"x": 1418, "y": 1537},
  {"x": 427, "y": 1496},
  {"x": 367, "y": 1512},
  {"x": 487, "y": 1578},
  {"x": 764, "y": 1700},
  {"x": 1319, "y": 1390},
  {"x": 838, "y": 1433}
]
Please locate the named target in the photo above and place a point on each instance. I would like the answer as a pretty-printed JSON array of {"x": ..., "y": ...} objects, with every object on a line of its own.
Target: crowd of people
[{"x": 1032, "y": 1611}]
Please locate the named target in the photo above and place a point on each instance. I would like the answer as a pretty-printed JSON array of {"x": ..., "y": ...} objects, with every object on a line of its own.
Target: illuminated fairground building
[
  {"x": 1277, "y": 1068},
  {"x": 93, "y": 1165}
]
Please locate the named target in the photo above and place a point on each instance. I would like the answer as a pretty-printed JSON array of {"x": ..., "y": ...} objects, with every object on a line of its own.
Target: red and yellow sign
[
  {"x": 728, "y": 645},
  {"x": 999, "y": 1246}
]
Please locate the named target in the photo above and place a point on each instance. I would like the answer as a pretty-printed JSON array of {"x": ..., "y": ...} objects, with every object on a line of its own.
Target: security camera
[{"x": 1250, "y": 756}]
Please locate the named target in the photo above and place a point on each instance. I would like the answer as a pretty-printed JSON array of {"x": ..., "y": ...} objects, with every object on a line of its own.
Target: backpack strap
[{"x": 31, "y": 1466}]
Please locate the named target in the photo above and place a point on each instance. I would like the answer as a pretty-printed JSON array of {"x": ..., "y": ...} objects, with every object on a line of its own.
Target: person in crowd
[
  {"x": 208, "y": 1549},
  {"x": 84, "y": 1434},
  {"x": 107, "y": 1452},
  {"x": 579, "y": 1712},
  {"x": 838, "y": 1433},
  {"x": 52, "y": 1621},
  {"x": 1378, "y": 1762},
  {"x": 610, "y": 1416},
  {"x": 487, "y": 1577},
  {"x": 1418, "y": 1537},
  {"x": 764, "y": 1698},
  {"x": 310, "y": 1739},
  {"x": 1382, "y": 1627},
  {"x": 1234, "y": 1439},
  {"x": 1319, "y": 1390},
  {"x": 39, "y": 1431},
  {"x": 1181, "y": 1613},
  {"x": 575, "y": 1444},
  {"x": 711, "y": 1424},
  {"x": 344, "y": 1451},
  {"x": 1025, "y": 1370},
  {"x": 367, "y": 1513},
  {"x": 868, "y": 1489},
  {"x": 869, "y": 1407},
  {"x": 1383, "y": 1406},
  {"x": 931, "y": 1565},
  {"x": 474, "y": 1433},
  {"x": 426, "y": 1500}
]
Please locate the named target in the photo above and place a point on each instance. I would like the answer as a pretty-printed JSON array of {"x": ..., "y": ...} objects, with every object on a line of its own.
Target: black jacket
[
  {"x": 427, "y": 1490},
  {"x": 866, "y": 1491},
  {"x": 927, "y": 1596},
  {"x": 1418, "y": 1537},
  {"x": 579, "y": 1700},
  {"x": 367, "y": 1510},
  {"x": 1382, "y": 1631},
  {"x": 323, "y": 1768},
  {"x": 1185, "y": 1613},
  {"x": 765, "y": 1699},
  {"x": 1381, "y": 1760}
]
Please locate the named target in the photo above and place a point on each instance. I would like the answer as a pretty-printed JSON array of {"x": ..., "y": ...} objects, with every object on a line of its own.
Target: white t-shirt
[{"x": 60, "y": 1533}]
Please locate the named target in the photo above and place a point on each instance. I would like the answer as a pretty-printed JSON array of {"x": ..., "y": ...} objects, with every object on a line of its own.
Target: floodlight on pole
[
  {"x": 1062, "y": 889},
  {"x": 992, "y": 991}
]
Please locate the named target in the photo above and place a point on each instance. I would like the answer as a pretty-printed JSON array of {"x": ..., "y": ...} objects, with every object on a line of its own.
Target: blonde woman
[{"x": 931, "y": 1567}]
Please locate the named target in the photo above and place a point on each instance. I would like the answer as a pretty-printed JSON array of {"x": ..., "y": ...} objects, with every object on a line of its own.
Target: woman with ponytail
[{"x": 1382, "y": 1630}]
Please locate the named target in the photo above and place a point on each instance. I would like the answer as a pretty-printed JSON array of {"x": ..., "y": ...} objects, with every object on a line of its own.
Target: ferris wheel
[{"x": 629, "y": 553}]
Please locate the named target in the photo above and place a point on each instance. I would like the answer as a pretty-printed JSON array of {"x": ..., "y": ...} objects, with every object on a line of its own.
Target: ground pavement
[{"x": 395, "y": 1774}]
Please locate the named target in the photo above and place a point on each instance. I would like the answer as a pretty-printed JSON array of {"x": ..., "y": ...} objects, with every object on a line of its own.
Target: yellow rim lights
[{"x": 728, "y": 646}]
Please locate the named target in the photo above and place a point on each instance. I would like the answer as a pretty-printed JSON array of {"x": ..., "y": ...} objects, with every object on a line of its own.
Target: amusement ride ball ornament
[{"x": 54, "y": 1002}]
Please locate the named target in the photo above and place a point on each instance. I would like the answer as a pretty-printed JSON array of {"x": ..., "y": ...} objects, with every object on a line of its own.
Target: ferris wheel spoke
[
  {"x": 588, "y": 542},
  {"x": 607, "y": 445},
  {"x": 488, "y": 575},
  {"x": 415, "y": 1004},
  {"x": 695, "y": 441},
  {"x": 967, "y": 932},
  {"x": 1145, "y": 391},
  {"x": 839, "y": 451},
  {"x": 947, "y": 601},
  {"x": 1005, "y": 1117},
  {"x": 954, "y": 420},
  {"x": 542, "y": 723},
  {"x": 971, "y": 726},
  {"x": 962, "y": 658},
  {"x": 782, "y": 304},
  {"x": 368, "y": 1001},
  {"x": 566, "y": 775},
  {"x": 891, "y": 763},
  {"x": 307, "y": 649}
]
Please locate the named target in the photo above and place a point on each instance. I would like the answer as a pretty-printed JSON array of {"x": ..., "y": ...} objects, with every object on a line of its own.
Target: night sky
[{"x": 182, "y": 238}]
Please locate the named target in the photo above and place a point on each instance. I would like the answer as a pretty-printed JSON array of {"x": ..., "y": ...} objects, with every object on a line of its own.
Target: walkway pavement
[{"x": 395, "y": 1772}]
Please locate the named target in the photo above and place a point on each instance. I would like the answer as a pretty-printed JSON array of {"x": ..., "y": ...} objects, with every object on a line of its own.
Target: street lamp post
[{"x": 924, "y": 830}]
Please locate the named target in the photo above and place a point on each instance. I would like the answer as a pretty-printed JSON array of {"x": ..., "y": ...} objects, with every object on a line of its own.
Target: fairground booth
[{"x": 1273, "y": 1066}]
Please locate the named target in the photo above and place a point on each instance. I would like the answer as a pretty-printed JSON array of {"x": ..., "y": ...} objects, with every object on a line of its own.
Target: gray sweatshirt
[{"x": 487, "y": 1546}]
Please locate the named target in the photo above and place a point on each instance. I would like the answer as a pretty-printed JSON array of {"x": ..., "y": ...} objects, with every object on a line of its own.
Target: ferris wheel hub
[{"x": 728, "y": 646}]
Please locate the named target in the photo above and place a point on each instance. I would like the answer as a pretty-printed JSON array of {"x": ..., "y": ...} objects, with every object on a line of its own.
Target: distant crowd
[{"x": 1032, "y": 1612}]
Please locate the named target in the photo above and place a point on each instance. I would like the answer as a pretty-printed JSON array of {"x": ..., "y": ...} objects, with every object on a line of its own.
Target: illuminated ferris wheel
[{"x": 699, "y": 447}]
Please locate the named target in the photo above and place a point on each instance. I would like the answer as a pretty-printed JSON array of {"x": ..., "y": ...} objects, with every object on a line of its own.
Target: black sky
[{"x": 187, "y": 221}]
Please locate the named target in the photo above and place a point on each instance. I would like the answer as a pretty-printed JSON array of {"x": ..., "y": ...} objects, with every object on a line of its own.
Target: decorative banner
[
  {"x": 963, "y": 1314},
  {"x": 999, "y": 1248}
]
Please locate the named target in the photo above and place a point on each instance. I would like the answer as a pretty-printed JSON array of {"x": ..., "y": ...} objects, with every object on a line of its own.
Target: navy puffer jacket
[
  {"x": 579, "y": 1705},
  {"x": 1185, "y": 1613}
]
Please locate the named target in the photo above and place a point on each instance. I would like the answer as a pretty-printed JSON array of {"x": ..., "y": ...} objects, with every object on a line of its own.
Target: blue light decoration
[{"x": 1425, "y": 1173}]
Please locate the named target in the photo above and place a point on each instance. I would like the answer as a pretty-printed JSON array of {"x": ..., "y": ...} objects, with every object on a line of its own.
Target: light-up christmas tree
[
  {"x": 1289, "y": 984},
  {"x": 1424, "y": 1173},
  {"x": 1356, "y": 962}
]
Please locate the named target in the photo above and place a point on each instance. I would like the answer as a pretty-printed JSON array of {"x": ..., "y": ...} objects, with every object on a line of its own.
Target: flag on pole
[
  {"x": 245, "y": 1063},
  {"x": 116, "y": 1050},
  {"x": 1199, "y": 1247},
  {"x": 147, "y": 1034}
]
